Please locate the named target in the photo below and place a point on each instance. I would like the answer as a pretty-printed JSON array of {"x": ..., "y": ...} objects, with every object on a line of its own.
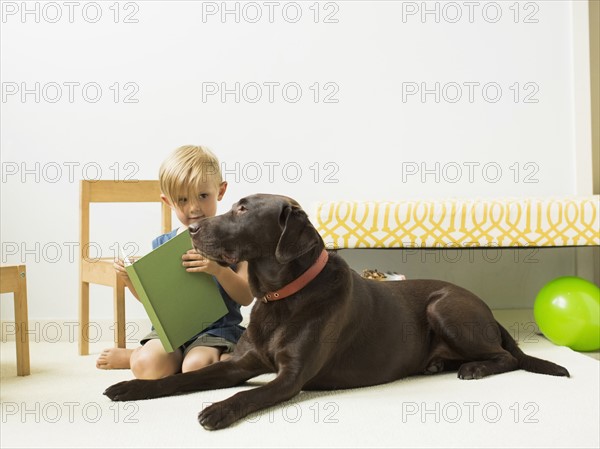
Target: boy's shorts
[{"x": 203, "y": 340}]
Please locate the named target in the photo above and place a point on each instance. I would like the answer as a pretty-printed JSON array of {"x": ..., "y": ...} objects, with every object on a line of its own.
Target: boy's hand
[
  {"x": 119, "y": 266},
  {"x": 194, "y": 262}
]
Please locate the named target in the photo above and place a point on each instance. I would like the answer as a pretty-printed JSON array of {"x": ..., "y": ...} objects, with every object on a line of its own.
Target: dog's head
[{"x": 257, "y": 226}]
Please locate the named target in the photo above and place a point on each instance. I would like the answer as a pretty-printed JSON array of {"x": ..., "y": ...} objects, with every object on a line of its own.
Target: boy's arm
[{"x": 236, "y": 283}]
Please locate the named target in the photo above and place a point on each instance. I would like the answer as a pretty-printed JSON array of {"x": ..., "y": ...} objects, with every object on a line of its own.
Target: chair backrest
[{"x": 146, "y": 191}]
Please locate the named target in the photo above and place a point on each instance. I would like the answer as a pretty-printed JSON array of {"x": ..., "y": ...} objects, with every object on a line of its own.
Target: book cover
[{"x": 179, "y": 304}]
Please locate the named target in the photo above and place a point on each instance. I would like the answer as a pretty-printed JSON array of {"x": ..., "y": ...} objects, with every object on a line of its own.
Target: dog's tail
[{"x": 527, "y": 362}]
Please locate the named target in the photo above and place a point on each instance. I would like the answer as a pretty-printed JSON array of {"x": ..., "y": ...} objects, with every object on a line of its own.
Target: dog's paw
[
  {"x": 217, "y": 416},
  {"x": 435, "y": 367},
  {"x": 473, "y": 370},
  {"x": 131, "y": 390}
]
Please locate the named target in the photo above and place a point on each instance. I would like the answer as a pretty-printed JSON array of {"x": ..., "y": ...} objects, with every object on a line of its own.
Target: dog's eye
[{"x": 240, "y": 209}]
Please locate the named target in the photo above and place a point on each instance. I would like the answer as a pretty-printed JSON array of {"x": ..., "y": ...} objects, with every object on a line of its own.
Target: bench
[
  {"x": 460, "y": 223},
  {"x": 414, "y": 225}
]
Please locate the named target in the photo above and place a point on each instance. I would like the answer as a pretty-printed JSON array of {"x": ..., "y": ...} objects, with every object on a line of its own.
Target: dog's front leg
[
  {"x": 218, "y": 375},
  {"x": 222, "y": 414}
]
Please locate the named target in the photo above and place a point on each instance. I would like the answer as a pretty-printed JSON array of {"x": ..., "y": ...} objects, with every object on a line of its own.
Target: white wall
[{"x": 366, "y": 135}]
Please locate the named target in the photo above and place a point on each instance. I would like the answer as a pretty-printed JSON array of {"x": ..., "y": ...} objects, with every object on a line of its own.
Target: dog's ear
[{"x": 298, "y": 236}]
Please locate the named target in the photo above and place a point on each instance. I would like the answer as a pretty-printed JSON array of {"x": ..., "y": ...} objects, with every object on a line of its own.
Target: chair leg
[
  {"x": 119, "y": 306},
  {"x": 22, "y": 323},
  {"x": 84, "y": 318}
]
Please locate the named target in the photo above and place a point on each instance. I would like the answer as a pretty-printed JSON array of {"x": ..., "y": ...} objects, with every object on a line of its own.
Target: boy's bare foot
[{"x": 114, "y": 358}]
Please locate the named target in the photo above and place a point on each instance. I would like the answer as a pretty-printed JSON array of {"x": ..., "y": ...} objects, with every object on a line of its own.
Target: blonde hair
[{"x": 185, "y": 167}]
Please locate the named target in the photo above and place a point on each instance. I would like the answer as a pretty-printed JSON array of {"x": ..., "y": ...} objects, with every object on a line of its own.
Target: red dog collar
[{"x": 301, "y": 281}]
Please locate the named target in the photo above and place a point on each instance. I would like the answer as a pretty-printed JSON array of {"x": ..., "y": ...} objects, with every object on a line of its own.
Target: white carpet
[{"x": 61, "y": 405}]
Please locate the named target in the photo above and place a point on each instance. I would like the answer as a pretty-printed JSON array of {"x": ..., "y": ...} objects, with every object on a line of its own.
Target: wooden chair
[
  {"x": 13, "y": 279},
  {"x": 101, "y": 271}
]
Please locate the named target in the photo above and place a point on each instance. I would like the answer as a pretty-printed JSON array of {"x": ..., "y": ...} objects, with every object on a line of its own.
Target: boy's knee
[
  {"x": 143, "y": 366},
  {"x": 200, "y": 358},
  {"x": 149, "y": 366}
]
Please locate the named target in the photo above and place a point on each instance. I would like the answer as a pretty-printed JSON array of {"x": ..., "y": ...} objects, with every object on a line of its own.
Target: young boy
[{"x": 191, "y": 184}]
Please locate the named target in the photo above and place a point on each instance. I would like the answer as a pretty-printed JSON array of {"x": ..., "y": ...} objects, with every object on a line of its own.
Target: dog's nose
[{"x": 194, "y": 227}]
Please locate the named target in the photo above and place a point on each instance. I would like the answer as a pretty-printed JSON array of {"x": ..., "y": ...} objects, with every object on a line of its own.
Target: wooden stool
[{"x": 13, "y": 280}]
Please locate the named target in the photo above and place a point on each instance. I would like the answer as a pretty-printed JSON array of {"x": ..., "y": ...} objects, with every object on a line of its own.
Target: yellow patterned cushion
[{"x": 568, "y": 221}]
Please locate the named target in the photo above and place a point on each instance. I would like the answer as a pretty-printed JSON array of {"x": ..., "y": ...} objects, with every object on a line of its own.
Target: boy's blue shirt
[{"x": 227, "y": 327}]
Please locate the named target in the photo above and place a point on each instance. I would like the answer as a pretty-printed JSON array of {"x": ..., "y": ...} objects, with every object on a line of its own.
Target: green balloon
[{"x": 567, "y": 311}]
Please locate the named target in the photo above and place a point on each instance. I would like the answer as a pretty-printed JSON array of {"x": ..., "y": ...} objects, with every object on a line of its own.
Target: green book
[{"x": 179, "y": 304}]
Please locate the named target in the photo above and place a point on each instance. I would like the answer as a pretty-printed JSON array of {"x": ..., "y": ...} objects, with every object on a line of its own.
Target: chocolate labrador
[{"x": 319, "y": 325}]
